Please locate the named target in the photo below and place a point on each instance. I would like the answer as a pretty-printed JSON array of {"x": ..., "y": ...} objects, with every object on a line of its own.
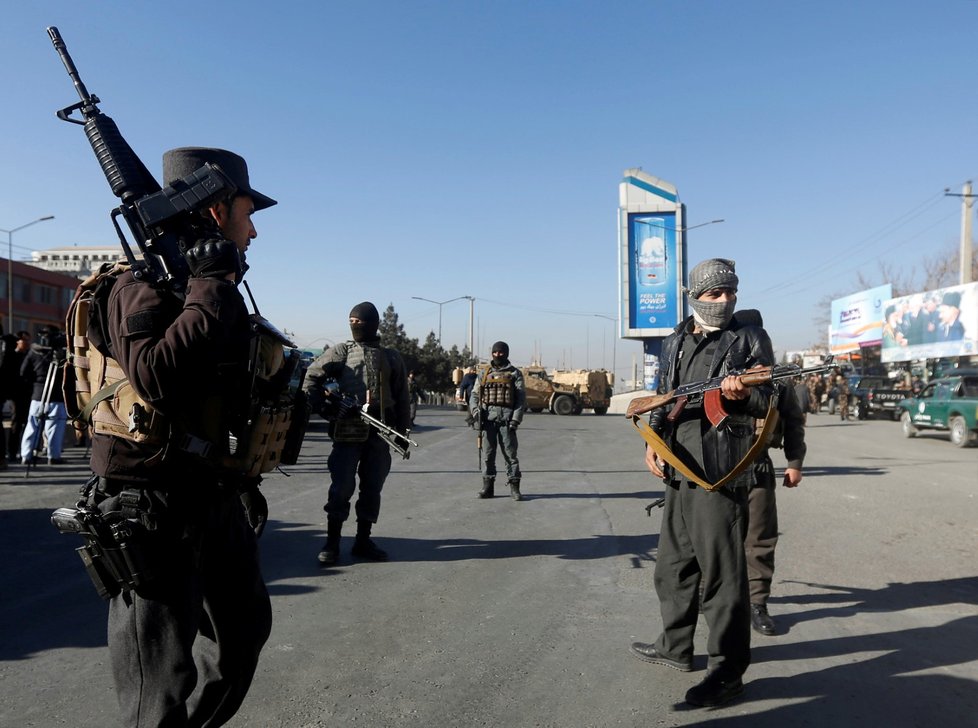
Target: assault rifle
[
  {"x": 158, "y": 218},
  {"x": 708, "y": 391},
  {"x": 349, "y": 406}
]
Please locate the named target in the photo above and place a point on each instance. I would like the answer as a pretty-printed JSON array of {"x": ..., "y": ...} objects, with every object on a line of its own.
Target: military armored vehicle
[
  {"x": 567, "y": 392},
  {"x": 593, "y": 387}
]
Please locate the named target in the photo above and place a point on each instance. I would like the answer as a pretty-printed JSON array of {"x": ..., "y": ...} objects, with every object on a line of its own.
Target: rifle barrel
[{"x": 62, "y": 50}]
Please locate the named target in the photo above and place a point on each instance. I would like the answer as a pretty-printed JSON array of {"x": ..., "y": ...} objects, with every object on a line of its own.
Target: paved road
[{"x": 495, "y": 613}]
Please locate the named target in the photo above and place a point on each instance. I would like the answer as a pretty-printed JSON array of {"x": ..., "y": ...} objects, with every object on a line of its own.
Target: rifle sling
[{"x": 662, "y": 450}]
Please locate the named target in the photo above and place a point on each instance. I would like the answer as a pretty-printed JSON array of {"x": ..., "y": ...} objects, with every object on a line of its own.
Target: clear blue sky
[{"x": 451, "y": 148}]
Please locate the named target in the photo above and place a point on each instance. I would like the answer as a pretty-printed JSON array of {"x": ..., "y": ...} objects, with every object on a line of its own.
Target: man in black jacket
[{"x": 701, "y": 545}]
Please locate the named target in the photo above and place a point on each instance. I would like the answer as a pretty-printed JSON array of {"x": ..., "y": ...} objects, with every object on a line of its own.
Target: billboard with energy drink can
[
  {"x": 651, "y": 256},
  {"x": 652, "y": 252}
]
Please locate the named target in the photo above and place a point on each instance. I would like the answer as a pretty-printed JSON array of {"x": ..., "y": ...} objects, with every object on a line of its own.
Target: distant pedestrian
[
  {"x": 18, "y": 392},
  {"x": 465, "y": 392},
  {"x": 42, "y": 368},
  {"x": 842, "y": 392}
]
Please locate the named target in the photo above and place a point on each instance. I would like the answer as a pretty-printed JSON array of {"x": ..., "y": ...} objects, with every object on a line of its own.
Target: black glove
[
  {"x": 256, "y": 508},
  {"x": 513, "y": 424},
  {"x": 214, "y": 258}
]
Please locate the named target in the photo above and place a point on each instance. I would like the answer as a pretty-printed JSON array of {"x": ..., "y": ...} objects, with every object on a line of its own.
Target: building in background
[
  {"x": 78, "y": 260},
  {"x": 39, "y": 297}
]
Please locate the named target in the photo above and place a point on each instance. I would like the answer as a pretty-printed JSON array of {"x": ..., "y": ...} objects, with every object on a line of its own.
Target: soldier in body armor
[
  {"x": 374, "y": 376},
  {"x": 496, "y": 406},
  {"x": 184, "y": 645}
]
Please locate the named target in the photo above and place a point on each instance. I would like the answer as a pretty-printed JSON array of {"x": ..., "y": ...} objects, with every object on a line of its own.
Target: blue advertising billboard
[
  {"x": 652, "y": 257},
  {"x": 857, "y": 320}
]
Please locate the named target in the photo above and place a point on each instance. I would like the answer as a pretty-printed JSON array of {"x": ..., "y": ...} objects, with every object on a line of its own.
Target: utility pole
[{"x": 967, "y": 201}]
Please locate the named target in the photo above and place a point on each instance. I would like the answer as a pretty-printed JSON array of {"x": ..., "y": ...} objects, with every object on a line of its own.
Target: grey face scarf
[{"x": 712, "y": 315}]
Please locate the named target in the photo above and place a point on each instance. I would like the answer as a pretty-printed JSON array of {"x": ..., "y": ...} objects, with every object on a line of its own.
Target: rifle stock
[{"x": 641, "y": 405}]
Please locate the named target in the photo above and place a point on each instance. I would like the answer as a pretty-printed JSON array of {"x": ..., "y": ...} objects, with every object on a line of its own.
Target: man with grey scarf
[{"x": 700, "y": 565}]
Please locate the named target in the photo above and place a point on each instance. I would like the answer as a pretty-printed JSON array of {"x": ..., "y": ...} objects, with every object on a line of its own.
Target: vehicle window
[
  {"x": 969, "y": 387},
  {"x": 927, "y": 392}
]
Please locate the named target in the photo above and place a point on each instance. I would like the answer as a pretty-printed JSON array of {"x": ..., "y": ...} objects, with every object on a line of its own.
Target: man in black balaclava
[
  {"x": 376, "y": 376},
  {"x": 496, "y": 405}
]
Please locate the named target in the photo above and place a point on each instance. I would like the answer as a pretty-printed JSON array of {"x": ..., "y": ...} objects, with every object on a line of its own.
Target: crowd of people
[{"x": 31, "y": 388}]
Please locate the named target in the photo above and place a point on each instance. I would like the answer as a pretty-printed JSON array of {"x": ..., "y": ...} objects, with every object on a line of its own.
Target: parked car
[
  {"x": 948, "y": 404},
  {"x": 874, "y": 395}
]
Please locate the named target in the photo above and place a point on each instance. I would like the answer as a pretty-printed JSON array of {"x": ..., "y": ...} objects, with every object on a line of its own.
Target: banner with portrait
[{"x": 931, "y": 325}]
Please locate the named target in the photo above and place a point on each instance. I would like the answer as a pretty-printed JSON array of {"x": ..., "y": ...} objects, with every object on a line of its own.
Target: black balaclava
[
  {"x": 370, "y": 322},
  {"x": 502, "y": 347}
]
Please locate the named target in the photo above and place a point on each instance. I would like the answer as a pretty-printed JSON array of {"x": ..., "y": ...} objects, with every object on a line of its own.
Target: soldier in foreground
[
  {"x": 701, "y": 548},
  {"x": 184, "y": 646},
  {"x": 496, "y": 407}
]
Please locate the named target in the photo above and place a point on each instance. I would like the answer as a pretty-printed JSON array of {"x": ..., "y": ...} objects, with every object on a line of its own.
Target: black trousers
[
  {"x": 184, "y": 653},
  {"x": 701, "y": 566},
  {"x": 762, "y": 531}
]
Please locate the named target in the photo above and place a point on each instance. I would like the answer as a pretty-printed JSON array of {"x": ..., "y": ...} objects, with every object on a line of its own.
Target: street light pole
[
  {"x": 10, "y": 267},
  {"x": 440, "y": 304},
  {"x": 471, "y": 325},
  {"x": 614, "y": 348}
]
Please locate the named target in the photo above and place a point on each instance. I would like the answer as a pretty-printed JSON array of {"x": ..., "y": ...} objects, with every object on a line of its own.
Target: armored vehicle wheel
[
  {"x": 537, "y": 410},
  {"x": 960, "y": 437},
  {"x": 563, "y": 405},
  {"x": 600, "y": 410},
  {"x": 906, "y": 425}
]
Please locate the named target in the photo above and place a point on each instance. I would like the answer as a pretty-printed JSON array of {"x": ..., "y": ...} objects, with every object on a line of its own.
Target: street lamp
[
  {"x": 10, "y": 266},
  {"x": 679, "y": 230},
  {"x": 440, "y": 304}
]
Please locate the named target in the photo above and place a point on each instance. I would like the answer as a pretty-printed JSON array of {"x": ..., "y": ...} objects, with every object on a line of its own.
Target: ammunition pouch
[
  {"x": 498, "y": 388},
  {"x": 267, "y": 431},
  {"x": 277, "y": 424},
  {"x": 350, "y": 429}
]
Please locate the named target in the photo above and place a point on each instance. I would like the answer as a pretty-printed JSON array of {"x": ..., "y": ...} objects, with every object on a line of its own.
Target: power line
[{"x": 866, "y": 242}]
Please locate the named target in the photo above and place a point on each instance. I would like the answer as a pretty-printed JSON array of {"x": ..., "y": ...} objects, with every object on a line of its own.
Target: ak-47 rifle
[
  {"x": 709, "y": 391},
  {"x": 160, "y": 220}
]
